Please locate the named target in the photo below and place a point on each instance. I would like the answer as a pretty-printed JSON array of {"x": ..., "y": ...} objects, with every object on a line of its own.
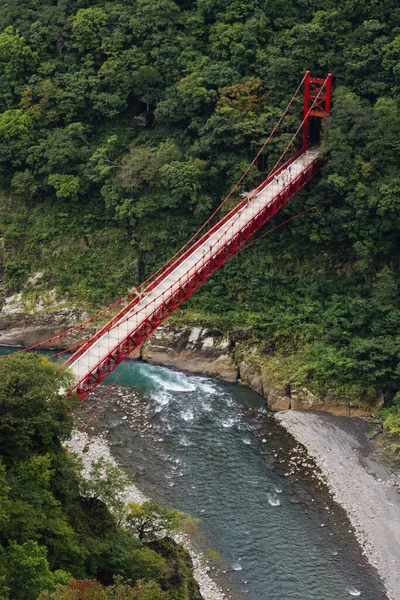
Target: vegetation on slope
[
  {"x": 96, "y": 203},
  {"x": 61, "y": 536}
]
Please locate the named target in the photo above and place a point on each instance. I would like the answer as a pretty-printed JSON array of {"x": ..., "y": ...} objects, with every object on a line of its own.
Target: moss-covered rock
[{"x": 179, "y": 577}]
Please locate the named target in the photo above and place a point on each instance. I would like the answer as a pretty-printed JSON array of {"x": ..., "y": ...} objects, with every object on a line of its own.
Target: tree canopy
[{"x": 60, "y": 535}]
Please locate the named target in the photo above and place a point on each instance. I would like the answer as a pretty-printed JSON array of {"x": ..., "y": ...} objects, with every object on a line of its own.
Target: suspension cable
[
  {"x": 300, "y": 214},
  {"x": 238, "y": 215}
]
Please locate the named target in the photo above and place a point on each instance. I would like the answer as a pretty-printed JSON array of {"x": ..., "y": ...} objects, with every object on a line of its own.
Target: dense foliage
[
  {"x": 58, "y": 538},
  {"x": 95, "y": 202}
]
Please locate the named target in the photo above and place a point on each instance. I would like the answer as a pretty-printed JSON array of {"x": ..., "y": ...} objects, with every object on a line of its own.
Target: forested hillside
[
  {"x": 61, "y": 536},
  {"x": 96, "y": 202}
]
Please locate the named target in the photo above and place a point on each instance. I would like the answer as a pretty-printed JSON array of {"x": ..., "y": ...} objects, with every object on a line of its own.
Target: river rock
[
  {"x": 250, "y": 373},
  {"x": 276, "y": 401},
  {"x": 191, "y": 349},
  {"x": 303, "y": 399}
]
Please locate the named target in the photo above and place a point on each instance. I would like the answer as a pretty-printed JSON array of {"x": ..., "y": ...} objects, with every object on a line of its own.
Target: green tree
[
  {"x": 29, "y": 571},
  {"x": 66, "y": 186},
  {"x": 4, "y": 492},
  {"x": 16, "y": 62},
  {"x": 61, "y": 151},
  {"x": 14, "y": 124},
  {"x": 147, "y": 82},
  {"x": 87, "y": 28},
  {"x": 34, "y": 410},
  {"x": 149, "y": 520},
  {"x": 34, "y": 513},
  {"x": 24, "y": 184},
  {"x": 142, "y": 591},
  {"x": 108, "y": 483},
  {"x": 184, "y": 183}
]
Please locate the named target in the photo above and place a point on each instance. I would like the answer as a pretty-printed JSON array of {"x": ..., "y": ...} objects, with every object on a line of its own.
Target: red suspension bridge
[{"x": 146, "y": 307}]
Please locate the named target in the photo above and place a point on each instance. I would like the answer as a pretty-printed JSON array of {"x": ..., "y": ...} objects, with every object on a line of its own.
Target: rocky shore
[
  {"x": 233, "y": 357},
  {"x": 368, "y": 492},
  {"x": 92, "y": 448}
]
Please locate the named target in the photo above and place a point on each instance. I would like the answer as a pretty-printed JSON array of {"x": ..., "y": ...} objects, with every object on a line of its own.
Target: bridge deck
[{"x": 186, "y": 270}]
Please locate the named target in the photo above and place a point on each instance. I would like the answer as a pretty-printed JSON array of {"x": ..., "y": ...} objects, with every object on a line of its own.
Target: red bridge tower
[{"x": 317, "y": 94}]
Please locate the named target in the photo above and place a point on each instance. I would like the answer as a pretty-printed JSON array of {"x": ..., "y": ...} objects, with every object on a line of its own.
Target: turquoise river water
[{"x": 210, "y": 449}]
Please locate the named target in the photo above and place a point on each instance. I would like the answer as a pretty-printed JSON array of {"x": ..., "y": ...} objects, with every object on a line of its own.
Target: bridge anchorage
[{"x": 145, "y": 308}]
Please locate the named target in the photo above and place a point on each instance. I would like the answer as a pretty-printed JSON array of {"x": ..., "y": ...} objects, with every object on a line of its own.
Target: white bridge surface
[{"x": 172, "y": 281}]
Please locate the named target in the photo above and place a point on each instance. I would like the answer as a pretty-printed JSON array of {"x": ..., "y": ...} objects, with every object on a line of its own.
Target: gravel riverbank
[
  {"x": 95, "y": 447},
  {"x": 360, "y": 484}
]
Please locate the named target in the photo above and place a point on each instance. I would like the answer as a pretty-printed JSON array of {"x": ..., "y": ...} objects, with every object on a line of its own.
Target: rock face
[
  {"x": 250, "y": 373},
  {"x": 192, "y": 349},
  {"x": 303, "y": 399},
  {"x": 26, "y": 330}
]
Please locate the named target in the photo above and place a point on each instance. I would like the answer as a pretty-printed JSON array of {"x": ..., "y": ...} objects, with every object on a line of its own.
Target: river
[{"x": 211, "y": 449}]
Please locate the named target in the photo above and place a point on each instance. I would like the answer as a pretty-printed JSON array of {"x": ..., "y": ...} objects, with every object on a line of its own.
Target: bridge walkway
[{"x": 196, "y": 259}]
